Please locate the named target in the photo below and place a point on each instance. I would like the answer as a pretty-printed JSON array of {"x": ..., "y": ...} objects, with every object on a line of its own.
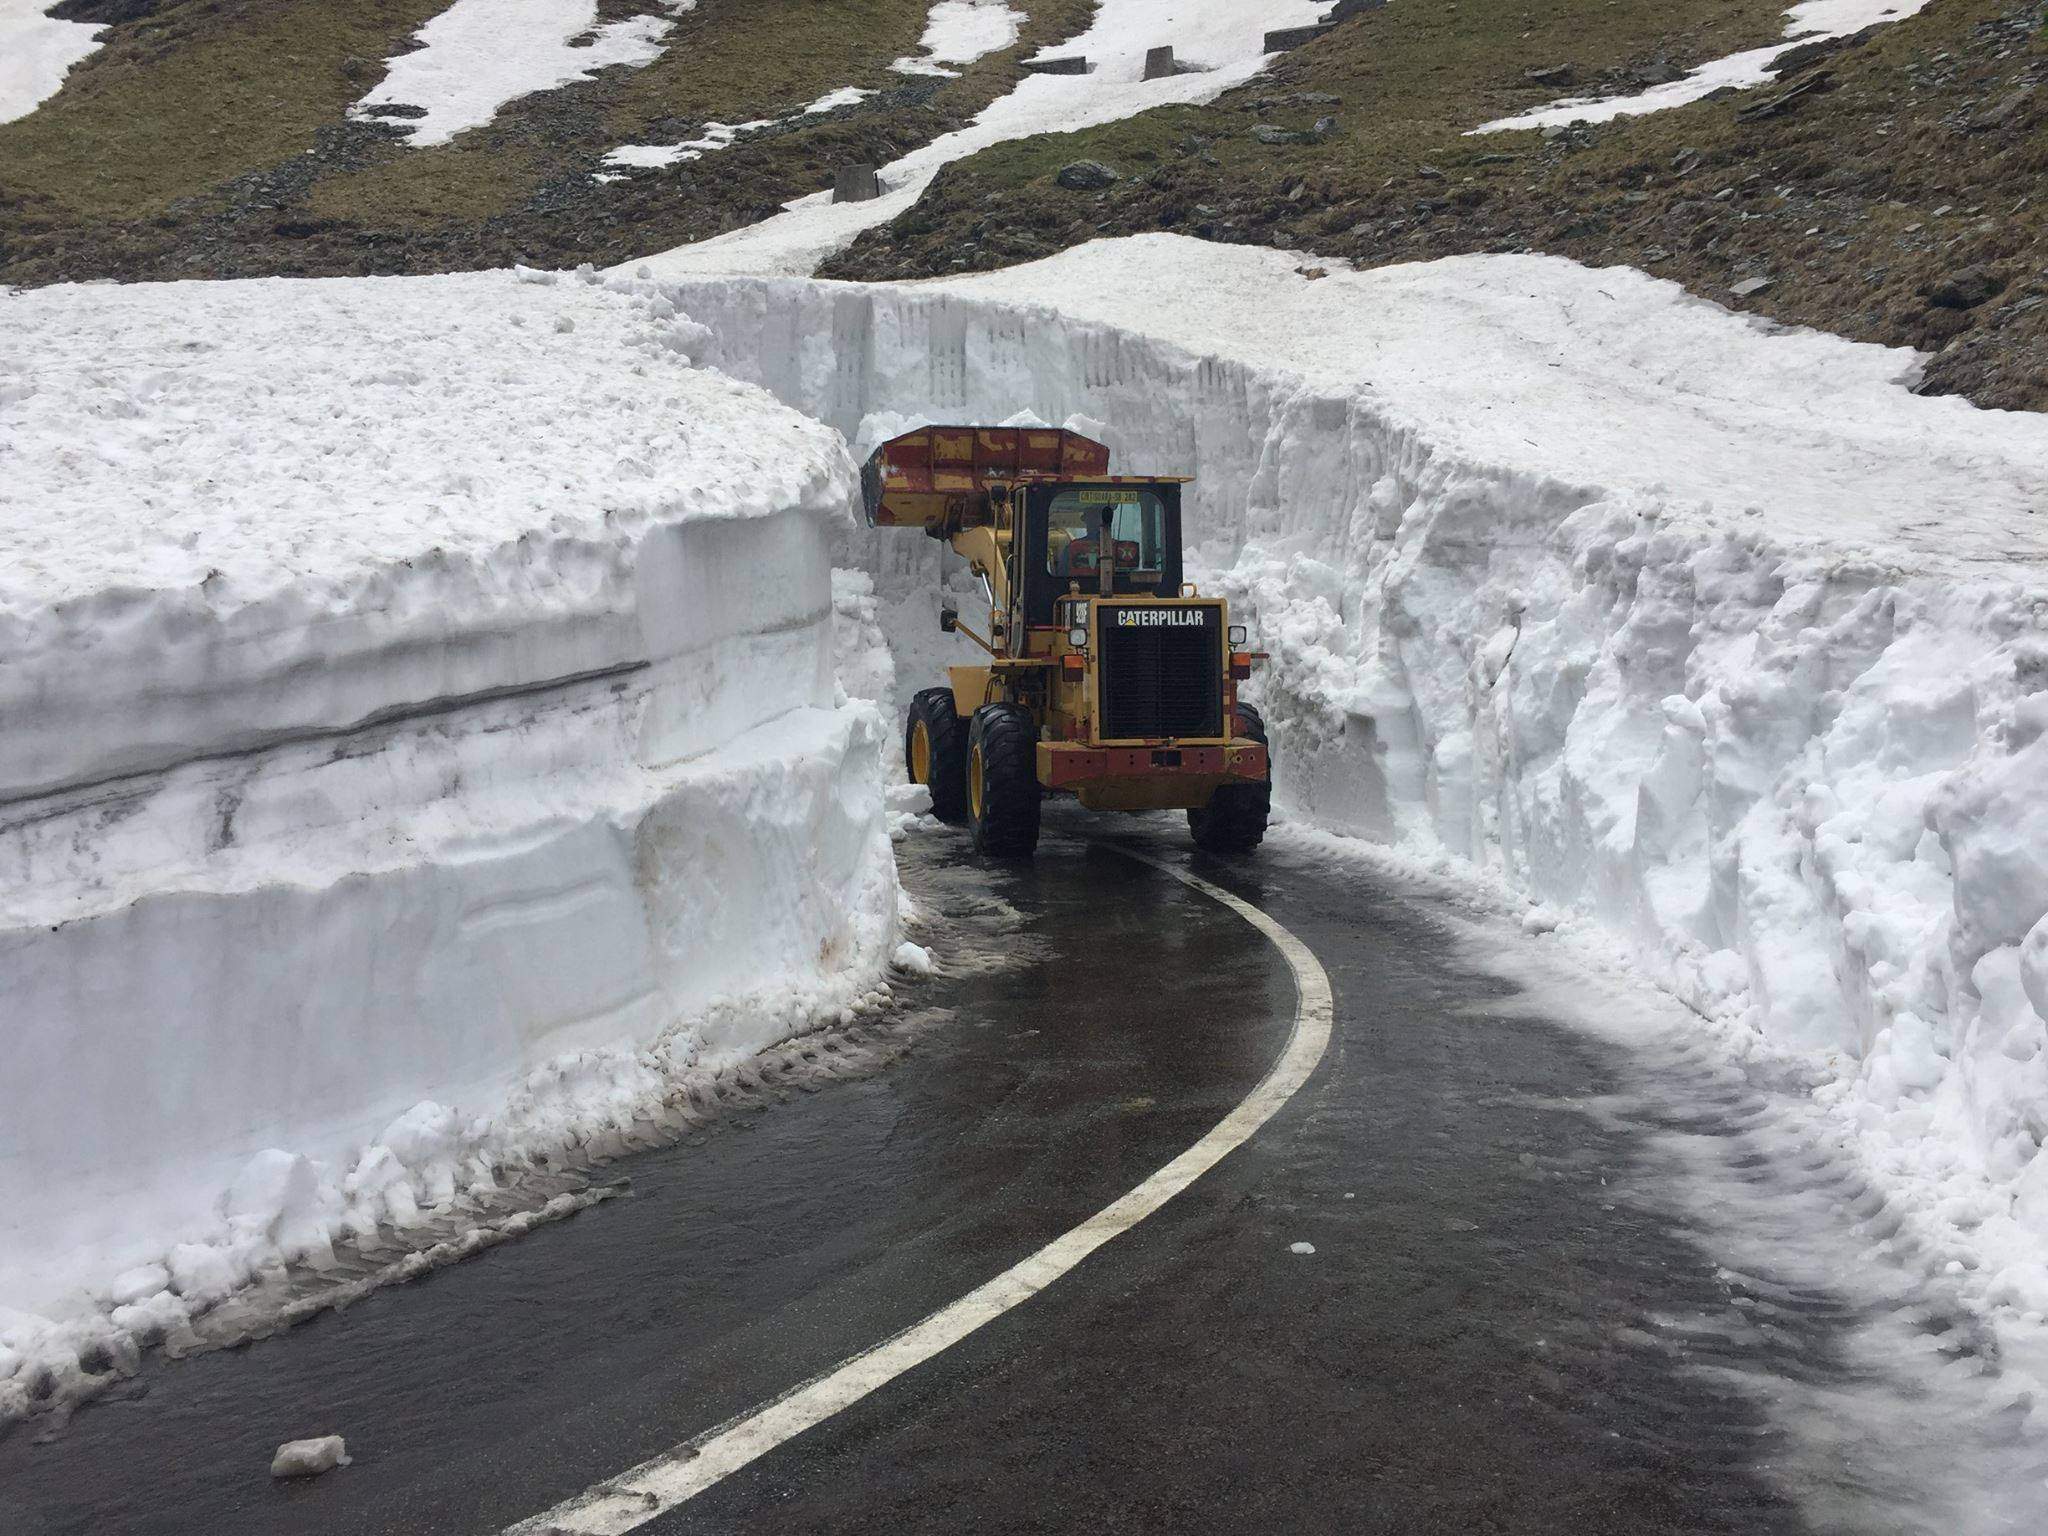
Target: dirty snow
[
  {"x": 428, "y": 751},
  {"x": 479, "y": 54},
  {"x": 1220, "y": 38},
  {"x": 1811, "y": 22},
  {"x": 36, "y": 53},
  {"x": 961, "y": 31},
  {"x": 1708, "y": 634},
  {"x": 718, "y": 136}
]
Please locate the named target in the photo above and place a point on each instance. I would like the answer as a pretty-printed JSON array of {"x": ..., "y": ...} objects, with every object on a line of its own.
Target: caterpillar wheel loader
[{"x": 1107, "y": 677}]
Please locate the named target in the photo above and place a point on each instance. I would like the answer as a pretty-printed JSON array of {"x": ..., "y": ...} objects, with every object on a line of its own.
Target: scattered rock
[
  {"x": 1554, "y": 75},
  {"x": 1964, "y": 289},
  {"x": 1429, "y": 173},
  {"x": 2006, "y": 111},
  {"x": 1806, "y": 55},
  {"x": 1749, "y": 287},
  {"x": 1686, "y": 161},
  {"x": 1659, "y": 71},
  {"x": 1303, "y": 1248},
  {"x": 1785, "y": 100},
  {"x": 309, "y": 1458},
  {"x": 1086, "y": 176}
]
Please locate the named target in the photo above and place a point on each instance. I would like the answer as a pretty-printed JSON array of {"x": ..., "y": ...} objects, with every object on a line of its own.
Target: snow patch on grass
[
  {"x": 479, "y": 54},
  {"x": 1814, "y": 21},
  {"x": 36, "y": 53},
  {"x": 961, "y": 31},
  {"x": 1223, "y": 38}
]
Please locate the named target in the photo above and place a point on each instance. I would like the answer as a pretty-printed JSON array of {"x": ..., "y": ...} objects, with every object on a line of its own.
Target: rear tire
[
  {"x": 1002, "y": 781},
  {"x": 1234, "y": 820},
  {"x": 943, "y": 770}
]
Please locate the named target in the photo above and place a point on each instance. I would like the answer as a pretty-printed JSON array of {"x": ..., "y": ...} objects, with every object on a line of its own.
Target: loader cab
[{"x": 1071, "y": 529}]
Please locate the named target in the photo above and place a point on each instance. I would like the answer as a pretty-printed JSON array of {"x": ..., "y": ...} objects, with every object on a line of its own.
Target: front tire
[
  {"x": 1002, "y": 781},
  {"x": 1234, "y": 820},
  {"x": 935, "y": 752}
]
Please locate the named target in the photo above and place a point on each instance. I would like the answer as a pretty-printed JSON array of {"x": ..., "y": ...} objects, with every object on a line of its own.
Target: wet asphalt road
[{"x": 1449, "y": 1359}]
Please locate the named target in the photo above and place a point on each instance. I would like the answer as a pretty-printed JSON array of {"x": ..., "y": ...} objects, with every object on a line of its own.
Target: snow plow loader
[{"x": 1107, "y": 678}]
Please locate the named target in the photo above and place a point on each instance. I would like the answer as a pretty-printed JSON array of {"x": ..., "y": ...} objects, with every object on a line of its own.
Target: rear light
[
  {"x": 1240, "y": 665},
  {"x": 1073, "y": 666}
]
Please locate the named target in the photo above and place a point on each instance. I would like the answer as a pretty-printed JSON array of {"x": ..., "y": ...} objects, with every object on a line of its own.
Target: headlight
[
  {"x": 1077, "y": 637},
  {"x": 1239, "y": 634}
]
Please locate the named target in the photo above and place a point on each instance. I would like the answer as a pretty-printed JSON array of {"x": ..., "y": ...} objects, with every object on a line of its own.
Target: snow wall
[
  {"x": 486, "y": 768},
  {"x": 1795, "y": 753}
]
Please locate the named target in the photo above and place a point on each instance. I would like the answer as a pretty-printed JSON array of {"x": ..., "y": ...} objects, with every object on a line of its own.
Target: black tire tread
[
  {"x": 948, "y": 734},
  {"x": 1234, "y": 820},
  {"x": 1007, "y": 738}
]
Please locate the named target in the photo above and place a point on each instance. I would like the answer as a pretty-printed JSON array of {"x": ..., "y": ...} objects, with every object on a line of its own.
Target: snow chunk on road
[
  {"x": 36, "y": 53},
  {"x": 1813, "y": 21},
  {"x": 479, "y": 54},
  {"x": 309, "y": 1458}
]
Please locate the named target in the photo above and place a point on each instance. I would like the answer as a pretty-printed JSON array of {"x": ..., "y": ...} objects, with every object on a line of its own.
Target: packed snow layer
[
  {"x": 36, "y": 53},
  {"x": 479, "y": 54},
  {"x": 423, "y": 742},
  {"x": 1221, "y": 39},
  {"x": 1813, "y": 21},
  {"x": 1703, "y": 629}
]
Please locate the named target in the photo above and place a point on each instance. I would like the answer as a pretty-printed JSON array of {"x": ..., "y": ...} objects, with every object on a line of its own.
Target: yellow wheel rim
[
  {"x": 974, "y": 784},
  {"x": 920, "y": 753}
]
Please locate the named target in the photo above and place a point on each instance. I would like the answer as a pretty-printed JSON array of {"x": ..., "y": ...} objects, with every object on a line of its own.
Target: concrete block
[
  {"x": 1293, "y": 37},
  {"x": 855, "y": 184},
  {"x": 1159, "y": 63},
  {"x": 1072, "y": 65}
]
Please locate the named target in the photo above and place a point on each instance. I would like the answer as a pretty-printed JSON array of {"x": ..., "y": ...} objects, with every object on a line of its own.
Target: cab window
[{"x": 1085, "y": 521}]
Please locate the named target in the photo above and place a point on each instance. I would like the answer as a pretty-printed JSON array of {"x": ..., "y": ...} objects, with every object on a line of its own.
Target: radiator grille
[{"x": 1164, "y": 680}]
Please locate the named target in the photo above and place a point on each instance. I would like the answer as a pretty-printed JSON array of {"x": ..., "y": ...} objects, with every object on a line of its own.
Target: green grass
[{"x": 205, "y": 90}]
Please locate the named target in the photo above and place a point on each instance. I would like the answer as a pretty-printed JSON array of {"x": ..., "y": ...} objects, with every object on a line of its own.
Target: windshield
[{"x": 1085, "y": 520}]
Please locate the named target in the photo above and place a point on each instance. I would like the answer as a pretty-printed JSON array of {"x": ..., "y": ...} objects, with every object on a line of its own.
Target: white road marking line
[{"x": 649, "y": 1490}]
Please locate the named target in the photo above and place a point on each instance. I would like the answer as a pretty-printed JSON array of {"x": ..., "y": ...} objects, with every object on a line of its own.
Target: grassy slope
[
  {"x": 1859, "y": 203},
  {"x": 181, "y": 149}
]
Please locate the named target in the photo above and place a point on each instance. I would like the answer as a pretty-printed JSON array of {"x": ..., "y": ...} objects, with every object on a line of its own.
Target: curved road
[{"x": 1453, "y": 1356}]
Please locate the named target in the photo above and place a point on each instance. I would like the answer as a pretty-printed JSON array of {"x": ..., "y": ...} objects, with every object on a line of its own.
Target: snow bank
[
  {"x": 422, "y": 744},
  {"x": 479, "y": 54},
  {"x": 1221, "y": 39},
  {"x": 1705, "y": 630},
  {"x": 36, "y": 53},
  {"x": 1813, "y": 21}
]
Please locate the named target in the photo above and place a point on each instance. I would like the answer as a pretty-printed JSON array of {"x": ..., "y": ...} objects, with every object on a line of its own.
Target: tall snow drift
[
  {"x": 421, "y": 736},
  {"x": 1707, "y": 630}
]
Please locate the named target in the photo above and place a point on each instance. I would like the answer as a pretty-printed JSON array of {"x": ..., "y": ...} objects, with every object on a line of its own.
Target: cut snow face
[
  {"x": 429, "y": 749},
  {"x": 1815, "y": 21},
  {"x": 479, "y": 54},
  {"x": 36, "y": 53},
  {"x": 1222, "y": 39},
  {"x": 1713, "y": 635},
  {"x": 959, "y": 32}
]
